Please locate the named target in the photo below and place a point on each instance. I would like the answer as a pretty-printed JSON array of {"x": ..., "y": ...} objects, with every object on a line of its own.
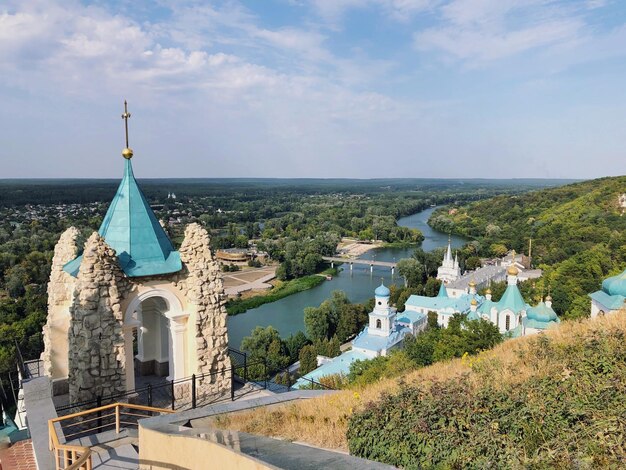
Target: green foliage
[
  {"x": 460, "y": 337},
  {"x": 335, "y": 317},
  {"x": 369, "y": 371},
  {"x": 579, "y": 235},
  {"x": 568, "y": 413},
  {"x": 328, "y": 347},
  {"x": 308, "y": 359},
  {"x": 294, "y": 344},
  {"x": 265, "y": 343},
  {"x": 412, "y": 271}
]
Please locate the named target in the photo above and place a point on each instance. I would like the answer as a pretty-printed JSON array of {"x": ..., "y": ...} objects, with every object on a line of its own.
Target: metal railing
[
  {"x": 76, "y": 457},
  {"x": 28, "y": 369},
  {"x": 168, "y": 395}
]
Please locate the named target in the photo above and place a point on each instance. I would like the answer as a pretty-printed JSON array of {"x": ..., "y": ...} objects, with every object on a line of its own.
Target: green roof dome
[
  {"x": 542, "y": 313},
  {"x": 615, "y": 285}
]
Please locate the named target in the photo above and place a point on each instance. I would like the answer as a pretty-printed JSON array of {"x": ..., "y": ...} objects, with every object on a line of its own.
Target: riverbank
[
  {"x": 352, "y": 248},
  {"x": 280, "y": 290},
  {"x": 402, "y": 244}
]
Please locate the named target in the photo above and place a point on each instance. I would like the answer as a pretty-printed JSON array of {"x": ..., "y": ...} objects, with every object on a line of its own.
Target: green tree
[
  {"x": 431, "y": 288},
  {"x": 294, "y": 344},
  {"x": 265, "y": 343},
  {"x": 308, "y": 359},
  {"x": 317, "y": 322},
  {"x": 412, "y": 271}
]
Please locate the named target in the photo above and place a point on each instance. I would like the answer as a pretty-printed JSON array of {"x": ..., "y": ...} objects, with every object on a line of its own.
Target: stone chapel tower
[{"x": 131, "y": 290}]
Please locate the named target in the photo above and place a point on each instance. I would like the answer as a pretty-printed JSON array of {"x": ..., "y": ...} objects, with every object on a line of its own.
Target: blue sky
[{"x": 318, "y": 88}]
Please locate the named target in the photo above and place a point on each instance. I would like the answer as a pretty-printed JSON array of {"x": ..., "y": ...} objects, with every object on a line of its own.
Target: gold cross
[{"x": 125, "y": 117}]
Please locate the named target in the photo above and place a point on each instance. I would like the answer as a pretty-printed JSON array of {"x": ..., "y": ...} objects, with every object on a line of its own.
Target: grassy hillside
[
  {"x": 556, "y": 400},
  {"x": 578, "y": 232}
]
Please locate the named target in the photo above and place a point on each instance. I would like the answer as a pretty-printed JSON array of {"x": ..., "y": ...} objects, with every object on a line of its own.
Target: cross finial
[
  {"x": 127, "y": 152},
  {"x": 125, "y": 117}
]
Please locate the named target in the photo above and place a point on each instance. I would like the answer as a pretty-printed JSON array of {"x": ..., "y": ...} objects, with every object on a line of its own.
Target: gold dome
[
  {"x": 512, "y": 271},
  {"x": 549, "y": 298},
  {"x": 127, "y": 153},
  {"x": 472, "y": 283},
  {"x": 473, "y": 302},
  {"x": 488, "y": 291}
]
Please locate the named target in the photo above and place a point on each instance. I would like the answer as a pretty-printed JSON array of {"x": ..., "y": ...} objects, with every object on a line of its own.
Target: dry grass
[{"x": 323, "y": 421}]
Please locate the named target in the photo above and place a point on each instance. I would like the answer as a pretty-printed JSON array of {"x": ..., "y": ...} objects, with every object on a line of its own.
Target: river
[{"x": 286, "y": 315}]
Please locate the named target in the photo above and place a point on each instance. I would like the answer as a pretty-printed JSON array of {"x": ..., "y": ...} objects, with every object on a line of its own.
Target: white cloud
[{"x": 480, "y": 31}]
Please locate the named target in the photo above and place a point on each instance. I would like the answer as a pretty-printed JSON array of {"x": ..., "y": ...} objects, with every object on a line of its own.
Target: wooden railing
[{"x": 72, "y": 457}]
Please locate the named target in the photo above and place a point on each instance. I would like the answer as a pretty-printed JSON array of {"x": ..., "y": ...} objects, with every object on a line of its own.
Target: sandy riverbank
[{"x": 351, "y": 248}]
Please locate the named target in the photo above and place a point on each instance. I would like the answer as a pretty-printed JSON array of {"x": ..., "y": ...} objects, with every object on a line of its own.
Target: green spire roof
[
  {"x": 443, "y": 293},
  {"x": 133, "y": 231},
  {"x": 512, "y": 299}
]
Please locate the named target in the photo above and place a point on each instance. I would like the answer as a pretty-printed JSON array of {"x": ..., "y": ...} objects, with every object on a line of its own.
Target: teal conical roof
[
  {"x": 133, "y": 231},
  {"x": 443, "y": 293},
  {"x": 512, "y": 300}
]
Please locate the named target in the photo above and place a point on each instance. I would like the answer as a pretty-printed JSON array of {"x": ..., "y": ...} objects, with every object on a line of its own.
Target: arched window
[
  {"x": 379, "y": 325},
  {"x": 508, "y": 322}
]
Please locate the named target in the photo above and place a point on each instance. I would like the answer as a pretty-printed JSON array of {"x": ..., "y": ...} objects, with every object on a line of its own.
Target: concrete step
[
  {"x": 123, "y": 456},
  {"x": 105, "y": 438},
  {"x": 110, "y": 450}
]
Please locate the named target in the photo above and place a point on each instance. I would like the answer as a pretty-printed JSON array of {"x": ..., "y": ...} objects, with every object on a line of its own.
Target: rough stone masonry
[{"x": 93, "y": 304}]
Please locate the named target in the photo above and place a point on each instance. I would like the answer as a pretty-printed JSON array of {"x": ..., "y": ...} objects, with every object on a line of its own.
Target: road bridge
[{"x": 368, "y": 262}]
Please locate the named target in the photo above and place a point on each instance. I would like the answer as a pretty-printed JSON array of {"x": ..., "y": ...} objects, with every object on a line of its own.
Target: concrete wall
[{"x": 159, "y": 450}]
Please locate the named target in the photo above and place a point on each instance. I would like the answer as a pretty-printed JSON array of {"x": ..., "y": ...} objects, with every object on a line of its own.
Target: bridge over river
[{"x": 368, "y": 262}]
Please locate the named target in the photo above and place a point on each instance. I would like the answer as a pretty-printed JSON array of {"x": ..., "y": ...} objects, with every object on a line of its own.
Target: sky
[{"x": 314, "y": 88}]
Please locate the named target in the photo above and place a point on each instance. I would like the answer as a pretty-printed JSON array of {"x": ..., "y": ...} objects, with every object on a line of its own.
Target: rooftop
[
  {"x": 133, "y": 231},
  {"x": 338, "y": 365}
]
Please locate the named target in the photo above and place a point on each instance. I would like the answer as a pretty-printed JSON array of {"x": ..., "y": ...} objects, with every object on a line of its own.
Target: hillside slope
[
  {"x": 556, "y": 400},
  {"x": 578, "y": 232}
]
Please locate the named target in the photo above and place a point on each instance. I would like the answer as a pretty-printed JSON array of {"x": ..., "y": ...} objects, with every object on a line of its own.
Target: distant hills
[{"x": 578, "y": 233}]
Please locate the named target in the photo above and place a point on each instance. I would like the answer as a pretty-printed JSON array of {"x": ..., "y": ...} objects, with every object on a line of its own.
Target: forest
[{"x": 578, "y": 235}]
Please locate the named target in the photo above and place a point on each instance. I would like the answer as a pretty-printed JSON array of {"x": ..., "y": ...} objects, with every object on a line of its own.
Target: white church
[{"x": 511, "y": 314}]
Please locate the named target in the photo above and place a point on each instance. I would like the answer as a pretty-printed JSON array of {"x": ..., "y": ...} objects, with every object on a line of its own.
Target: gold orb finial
[
  {"x": 472, "y": 283},
  {"x": 549, "y": 298},
  {"x": 512, "y": 271},
  {"x": 488, "y": 291},
  {"x": 127, "y": 153},
  {"x": 474, "y": 302}
]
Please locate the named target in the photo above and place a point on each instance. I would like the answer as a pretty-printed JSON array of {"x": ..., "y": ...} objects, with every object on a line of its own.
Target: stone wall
[
  {"x": 96, "y": 342},
  {"x": 202, "y": 284},
  {"x": 60, "y": 290},
  {"x": 92, "y": 308}
]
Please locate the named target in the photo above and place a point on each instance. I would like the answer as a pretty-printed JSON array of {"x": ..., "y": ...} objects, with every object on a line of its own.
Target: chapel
[{"x": 127, "y": 304}]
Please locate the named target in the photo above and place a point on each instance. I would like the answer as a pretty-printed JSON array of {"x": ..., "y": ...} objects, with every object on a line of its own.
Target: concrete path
[
  {"x": 111, "y": 451},
  {"x": 260, "y": 283}
]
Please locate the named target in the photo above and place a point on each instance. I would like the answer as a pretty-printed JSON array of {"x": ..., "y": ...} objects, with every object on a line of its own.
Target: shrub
[{"x": 567, "y": 410}]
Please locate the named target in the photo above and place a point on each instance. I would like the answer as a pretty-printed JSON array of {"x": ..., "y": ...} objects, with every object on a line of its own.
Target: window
[
  {"x": 379, "y": 325},
  {"x": 508, "y": 322}
]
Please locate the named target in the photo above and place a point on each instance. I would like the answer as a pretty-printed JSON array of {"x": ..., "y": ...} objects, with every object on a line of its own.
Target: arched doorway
[
  {"x": 152, "y": 340},
  {"x": 154, "y": 335}
]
